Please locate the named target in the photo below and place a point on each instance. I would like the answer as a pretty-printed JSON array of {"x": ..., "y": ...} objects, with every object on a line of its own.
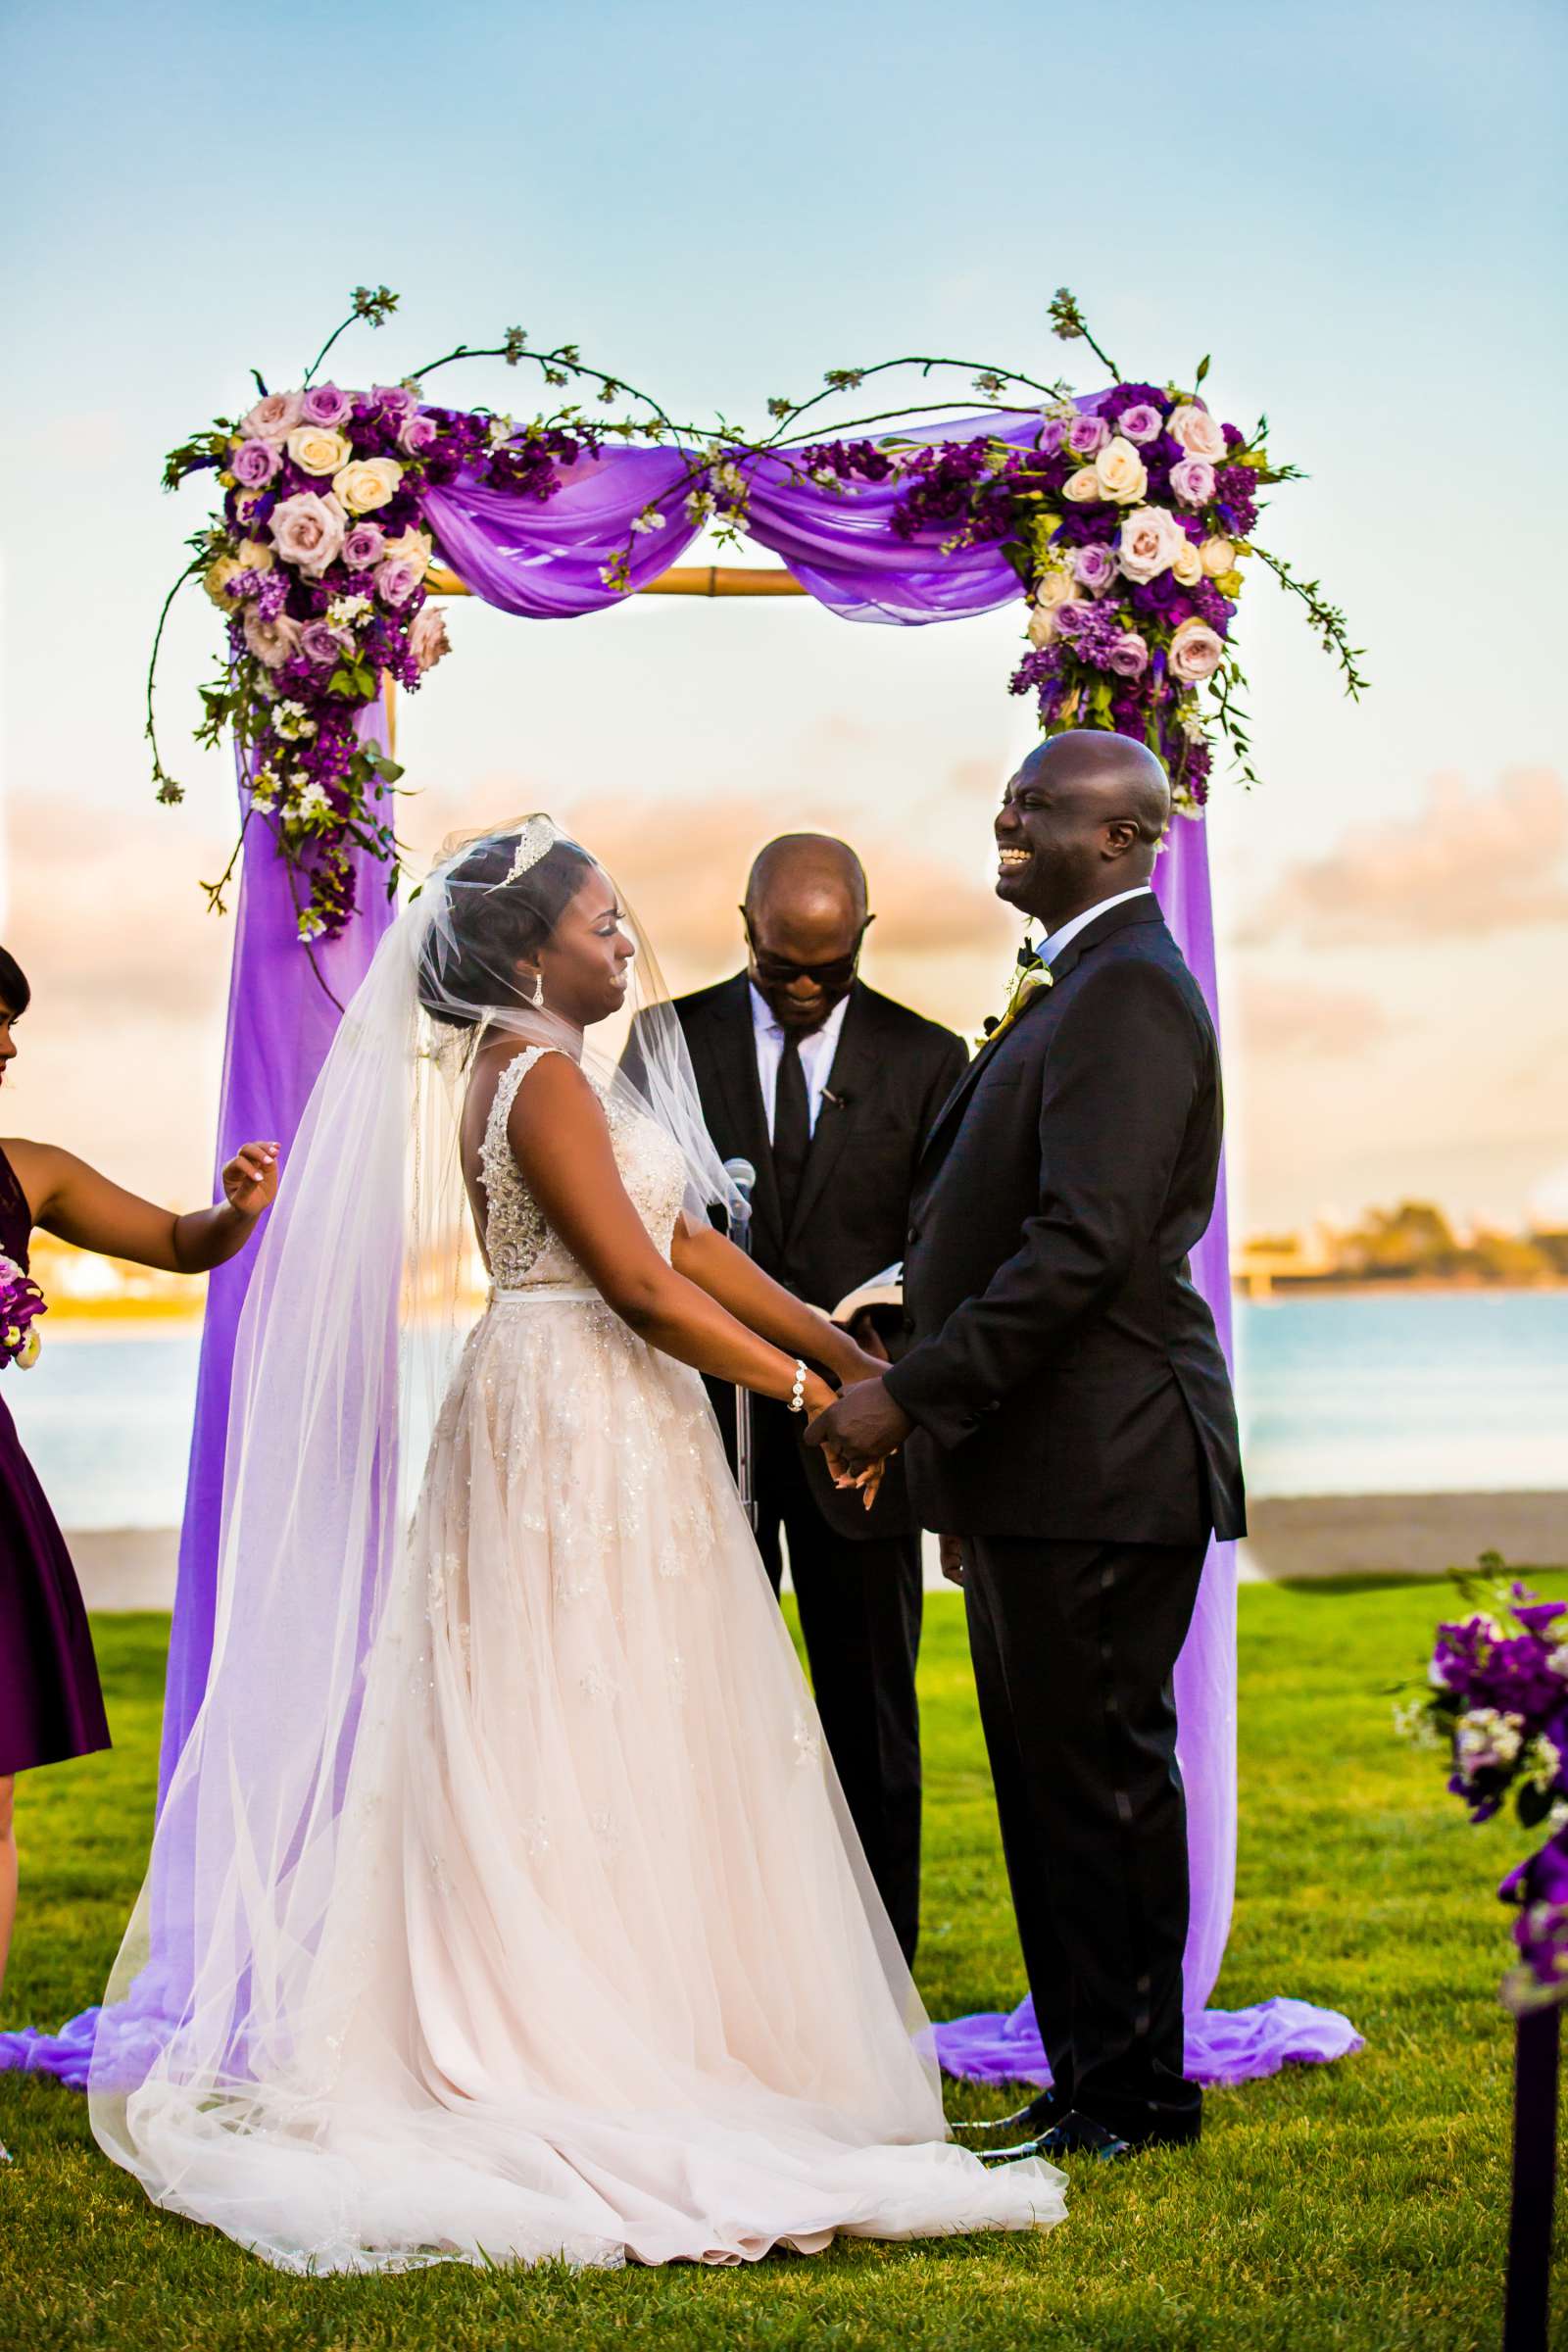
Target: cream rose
[
  {"x": 428, "y": 637},
  {"x": 1083, "y": 486},
  {"x": 1194, "y": 428},
  {"x": 1121, "y": 471},
  {"x": 316, "y": 450},
  {"x": 1055, "y": 587},
  {"x": 1187, "y": 564},
  {"x": 308, "y": 531},
  {"x": 270, "y": 640},
  {"x": 1196, "y": 653},
  {"x": 410, "y": 547},
  {"x": 1219, "y": 554},
  {"x": 253, "y": 556},
  {"x": 216, "y": 579},
  {"x": 1041, "y": 626},
  {"x": 275, "y": 415},
  {"x": 1151, "y": 542},
  {"x": 368, "y": 483}
]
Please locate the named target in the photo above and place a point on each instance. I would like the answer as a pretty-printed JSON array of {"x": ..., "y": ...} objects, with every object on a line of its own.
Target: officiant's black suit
[
  {"x": 1075, "y": 1425},
  {"x": 857, "y": 1573}
]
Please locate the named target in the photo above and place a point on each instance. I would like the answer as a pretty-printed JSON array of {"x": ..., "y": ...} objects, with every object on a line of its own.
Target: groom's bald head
[{"x": 1082, "y": 818}]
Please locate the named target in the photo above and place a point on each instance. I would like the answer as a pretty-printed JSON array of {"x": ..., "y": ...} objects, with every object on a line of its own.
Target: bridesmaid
[{"x": 51, "y": 1706}]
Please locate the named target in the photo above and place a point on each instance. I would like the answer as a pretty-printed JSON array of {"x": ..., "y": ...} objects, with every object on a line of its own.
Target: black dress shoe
[
  {"x": 1074, "y": 2135},
  {"x": 1037, "y": 2117}
]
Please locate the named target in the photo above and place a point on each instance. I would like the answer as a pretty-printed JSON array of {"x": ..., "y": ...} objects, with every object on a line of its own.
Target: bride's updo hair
[{"x": 468, "y": 960}]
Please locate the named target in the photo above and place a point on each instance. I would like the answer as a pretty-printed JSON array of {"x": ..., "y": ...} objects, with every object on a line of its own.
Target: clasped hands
[{"x": 858, "y": 1432}]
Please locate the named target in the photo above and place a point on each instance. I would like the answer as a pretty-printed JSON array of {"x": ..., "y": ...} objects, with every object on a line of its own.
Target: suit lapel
[
  {"x": 854, "y": 1065},
  {"x": 1117, "y": 918}
]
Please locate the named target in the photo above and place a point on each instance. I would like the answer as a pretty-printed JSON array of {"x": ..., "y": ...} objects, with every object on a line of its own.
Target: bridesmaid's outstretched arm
[{"x": 73, "y": 1200}]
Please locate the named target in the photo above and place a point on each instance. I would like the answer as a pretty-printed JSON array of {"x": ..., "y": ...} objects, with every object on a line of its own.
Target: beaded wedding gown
[{"x": 605, "y": 1977}]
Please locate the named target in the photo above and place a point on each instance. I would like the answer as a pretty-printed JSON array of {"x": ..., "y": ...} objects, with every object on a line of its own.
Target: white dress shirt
[
  {"x": 1052, "y": 945},
  {"x": 816, "y": 1056}
]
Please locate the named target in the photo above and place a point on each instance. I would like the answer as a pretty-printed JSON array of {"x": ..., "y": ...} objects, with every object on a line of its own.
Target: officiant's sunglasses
[{"x": 778, "y": 971}]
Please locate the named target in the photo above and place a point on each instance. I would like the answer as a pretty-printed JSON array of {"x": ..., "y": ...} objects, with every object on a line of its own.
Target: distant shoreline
[{"x": 1419, "y": 1287}]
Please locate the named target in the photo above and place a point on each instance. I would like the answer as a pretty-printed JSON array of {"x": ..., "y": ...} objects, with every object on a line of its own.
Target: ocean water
[{"x": 1445, "y": 1391}]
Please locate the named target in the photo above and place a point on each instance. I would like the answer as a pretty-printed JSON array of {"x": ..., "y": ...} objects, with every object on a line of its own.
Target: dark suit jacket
[
  {"x": 1066, "y": 1376},
  {"x": 891, "y": 1073}
]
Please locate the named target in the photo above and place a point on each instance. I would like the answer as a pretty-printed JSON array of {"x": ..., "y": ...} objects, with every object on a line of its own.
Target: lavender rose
[
  {"x": 324, "y": 403},
  {"x": 1129, "y": 655},
  {"x": 308, "y": 531},
  {"x": 1051, "y": 436},
  {"x": 1140, "y": 423},
  {"x": 322, "y": 644},
  {"x": 275, "y": 415},
  {"x": 254, "y": 463},
  {"x": 415, "y": 435},
  {"x": 364, "y": 547},
  {"x": 396, "y": 400},
  {"x": 428, "y": 638},
  {"x": 1196, "y": 653},
  {"x": 1087, "y": 436},
  {"x": 1197, "y": 431},
  {"x": 396, "y": 580},
  {"x": 272, "y": 642},
  {"x": 1193, "y": 481},
  {"x": 1094, "y": 569}
]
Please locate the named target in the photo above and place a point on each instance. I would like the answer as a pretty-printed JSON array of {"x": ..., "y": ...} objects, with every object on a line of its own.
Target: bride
[{"x": 503, "y": 1904}]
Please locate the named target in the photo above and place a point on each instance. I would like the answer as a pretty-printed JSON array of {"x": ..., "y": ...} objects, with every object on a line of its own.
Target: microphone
[
  {"x": 839, "y": 1101},
  {"x": 742, "y": 1175}
]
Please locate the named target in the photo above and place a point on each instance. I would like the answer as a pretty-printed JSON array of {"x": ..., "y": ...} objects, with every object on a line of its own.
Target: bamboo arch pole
[{"x": 682, "y": 579}]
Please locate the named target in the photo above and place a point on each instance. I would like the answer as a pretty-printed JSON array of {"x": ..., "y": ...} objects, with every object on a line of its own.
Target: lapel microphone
[{"x": 839, "y": 1101}]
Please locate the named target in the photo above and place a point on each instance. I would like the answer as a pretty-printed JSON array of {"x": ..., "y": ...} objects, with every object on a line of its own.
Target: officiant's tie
[{"x": 792, "y": 1127}]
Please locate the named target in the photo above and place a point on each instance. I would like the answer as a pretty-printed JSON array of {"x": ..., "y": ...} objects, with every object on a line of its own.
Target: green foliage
[{"x": 1360, "y": 2207}]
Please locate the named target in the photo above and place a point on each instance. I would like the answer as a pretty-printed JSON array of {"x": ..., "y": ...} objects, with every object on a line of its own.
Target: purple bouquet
[
  {"x": 21, "y": 1302},
  {"x": 319, "y": 560},
  {"x": 1497, "y": 1699}
]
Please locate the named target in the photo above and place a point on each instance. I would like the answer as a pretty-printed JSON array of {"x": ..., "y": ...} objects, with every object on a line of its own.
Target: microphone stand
[{"x": 742, "y": 1176}]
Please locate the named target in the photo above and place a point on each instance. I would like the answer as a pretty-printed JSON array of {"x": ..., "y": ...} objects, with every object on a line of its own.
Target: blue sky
[{"x": 1356, "y": 210}]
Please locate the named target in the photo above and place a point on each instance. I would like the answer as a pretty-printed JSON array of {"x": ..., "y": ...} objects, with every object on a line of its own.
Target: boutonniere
[{"x": 1031, "y": 976}]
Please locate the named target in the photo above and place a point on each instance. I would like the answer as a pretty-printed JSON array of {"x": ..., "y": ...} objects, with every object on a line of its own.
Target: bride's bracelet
[{"x": 798, "y": 1392}]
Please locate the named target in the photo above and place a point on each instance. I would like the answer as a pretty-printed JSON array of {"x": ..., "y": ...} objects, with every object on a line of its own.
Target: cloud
[
  {"x": 1473, "y": 862},
  {"x": 1279, "y": 1021},
  {"x": 683, "y": 863}
]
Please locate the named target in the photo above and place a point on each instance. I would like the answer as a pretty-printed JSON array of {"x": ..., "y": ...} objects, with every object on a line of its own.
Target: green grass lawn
[{"x": 1359, "y": 2205}]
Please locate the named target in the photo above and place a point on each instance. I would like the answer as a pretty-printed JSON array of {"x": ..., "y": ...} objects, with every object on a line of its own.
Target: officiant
[{"x": 828, "y": 1089}]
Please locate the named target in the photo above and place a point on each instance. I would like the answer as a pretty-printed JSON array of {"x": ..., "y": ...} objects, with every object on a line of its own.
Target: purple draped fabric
[
  {"x": 547, "y": 559},
  {"x": 281, "y": 1021}
]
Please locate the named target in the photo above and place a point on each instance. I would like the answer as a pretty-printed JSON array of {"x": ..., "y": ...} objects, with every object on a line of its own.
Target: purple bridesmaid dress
[{"x": 51, "y": 1706}]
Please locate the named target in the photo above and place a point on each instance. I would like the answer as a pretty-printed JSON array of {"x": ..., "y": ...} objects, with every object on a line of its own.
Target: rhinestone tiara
[{"x": 537, "y": 837}]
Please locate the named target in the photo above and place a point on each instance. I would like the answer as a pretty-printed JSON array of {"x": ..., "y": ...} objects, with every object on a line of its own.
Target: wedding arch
[{"x": 1123, "y": 520}]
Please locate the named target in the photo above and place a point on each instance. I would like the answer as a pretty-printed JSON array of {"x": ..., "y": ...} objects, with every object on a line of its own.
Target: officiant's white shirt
[
  {"x": 816, "y": 1056},
  {"x": 1052, "y": 945}
]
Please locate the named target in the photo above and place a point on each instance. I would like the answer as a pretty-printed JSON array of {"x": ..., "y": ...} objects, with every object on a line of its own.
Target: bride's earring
[{"x": 537, "y": 998}]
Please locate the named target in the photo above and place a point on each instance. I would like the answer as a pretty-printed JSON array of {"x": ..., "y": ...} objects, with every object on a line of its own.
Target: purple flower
[
  {"x": 1193, "y": 481},
  {"x": 1052, "y": 434},
  {"x": 396, "y": 580},
  {"x": 364, "y": 547},
  {"x": 254, "y": 463},
  {"x": 1087, "y": 436},
  {"x": 417, "y": 434},
  {"x": 395, "y": 401},
  {"x": 321, "y": 644},
  {"x": 1129, "y": 655},
  {"x": 324, "y": 403},
  {"x": 1140, "y": 423},
  {"x": 1094, "y": 568}
]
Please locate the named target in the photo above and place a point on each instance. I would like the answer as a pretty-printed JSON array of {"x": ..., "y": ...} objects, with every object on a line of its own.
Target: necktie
[{"x": 792, "y": 1125}]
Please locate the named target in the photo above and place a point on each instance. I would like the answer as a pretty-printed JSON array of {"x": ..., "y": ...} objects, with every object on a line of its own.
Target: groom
[{"x": 1069, "y": 1427}]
